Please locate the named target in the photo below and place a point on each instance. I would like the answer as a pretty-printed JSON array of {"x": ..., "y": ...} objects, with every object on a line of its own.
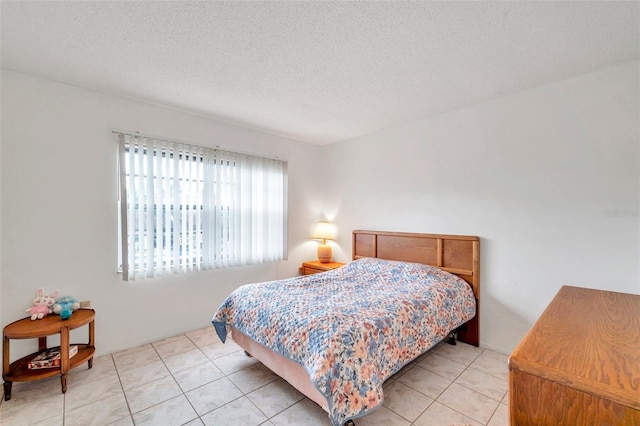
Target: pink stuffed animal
[{"x": 42, "y": 305}]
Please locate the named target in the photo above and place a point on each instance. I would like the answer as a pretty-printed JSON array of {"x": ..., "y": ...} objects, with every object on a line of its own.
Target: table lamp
[{"x": 324, "y": 232}]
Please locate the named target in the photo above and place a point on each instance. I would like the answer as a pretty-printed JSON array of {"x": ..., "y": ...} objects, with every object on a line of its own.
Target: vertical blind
[{"x": 188, "y": 208}]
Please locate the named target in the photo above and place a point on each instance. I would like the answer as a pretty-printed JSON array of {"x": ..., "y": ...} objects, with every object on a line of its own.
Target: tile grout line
[
  {"x": 449, "y": 385},
  {"x": 124, "y": 394},
  {"x": 225, "y": 375},
  {"x": 435, "y": 348},
  {"x": 182, "y": 392},
  {"x": 180, "y": 387},
  {"x": 452, "y": 382},
  {"x": 268, "y": 419}
]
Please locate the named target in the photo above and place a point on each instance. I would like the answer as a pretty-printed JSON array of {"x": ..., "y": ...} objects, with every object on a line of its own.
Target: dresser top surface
[{"x": 586, "y": 336}]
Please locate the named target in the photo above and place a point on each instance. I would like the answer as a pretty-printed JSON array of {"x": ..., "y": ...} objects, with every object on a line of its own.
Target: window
[{"x": 187, "y": 208}]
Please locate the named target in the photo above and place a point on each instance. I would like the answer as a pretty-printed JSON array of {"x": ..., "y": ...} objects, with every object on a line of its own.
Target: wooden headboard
[{"x": 457, "y": 254}]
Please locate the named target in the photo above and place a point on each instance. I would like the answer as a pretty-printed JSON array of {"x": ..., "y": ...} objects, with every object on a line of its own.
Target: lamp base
[{"x": 324, "y": 253}]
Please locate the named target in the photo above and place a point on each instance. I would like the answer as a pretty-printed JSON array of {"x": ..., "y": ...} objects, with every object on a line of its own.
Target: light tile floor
[{"x": 194, "y": 379}]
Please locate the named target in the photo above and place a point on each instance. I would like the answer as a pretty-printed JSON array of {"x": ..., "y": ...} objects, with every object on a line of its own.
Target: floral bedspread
[{"x": 353, "y": 327}]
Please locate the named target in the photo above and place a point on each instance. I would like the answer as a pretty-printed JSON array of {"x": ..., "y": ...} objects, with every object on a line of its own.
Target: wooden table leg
[
  {"x": 5, "y": 367},
  {"x": 92, "y": 343},
  {"x": 64, "y": 357},
  {"x": 92, "y": 334},
  {"x": 7, "y": 390},
  {"x": 42, "y": 343}
]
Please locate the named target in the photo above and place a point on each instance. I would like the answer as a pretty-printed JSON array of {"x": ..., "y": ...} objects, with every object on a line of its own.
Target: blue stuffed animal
[{"x": 65, "y": 306}]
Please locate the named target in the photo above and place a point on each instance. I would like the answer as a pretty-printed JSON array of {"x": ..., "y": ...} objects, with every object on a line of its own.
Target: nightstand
[
  {"x": 18, "y": 371},
  {"x": 316, "y": 266}
]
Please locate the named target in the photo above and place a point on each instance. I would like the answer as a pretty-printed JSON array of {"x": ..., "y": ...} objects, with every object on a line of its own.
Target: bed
[{"x": 337, "y": 336}]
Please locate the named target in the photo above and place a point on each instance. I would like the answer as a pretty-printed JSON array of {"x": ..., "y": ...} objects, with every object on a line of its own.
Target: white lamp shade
[{"x": 324, "y": 231}]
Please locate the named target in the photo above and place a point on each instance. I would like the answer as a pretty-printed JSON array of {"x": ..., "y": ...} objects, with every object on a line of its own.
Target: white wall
[
  {"x": 535, "y": 174},
  {"x": 59, "y": 211}
]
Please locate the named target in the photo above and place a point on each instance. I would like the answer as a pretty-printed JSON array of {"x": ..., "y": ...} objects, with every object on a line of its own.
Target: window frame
[{"x": 191, "y": 256}]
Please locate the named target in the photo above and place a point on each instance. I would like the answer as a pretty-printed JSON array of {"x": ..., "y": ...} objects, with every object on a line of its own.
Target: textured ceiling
[{"x": 319, "y": 72}]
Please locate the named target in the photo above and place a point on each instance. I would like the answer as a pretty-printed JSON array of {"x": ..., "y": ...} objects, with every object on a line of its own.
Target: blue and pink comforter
[{"x": 353, "y": 327}]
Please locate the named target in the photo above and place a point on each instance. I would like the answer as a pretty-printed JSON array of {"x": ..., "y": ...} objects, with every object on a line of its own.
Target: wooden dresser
[{"x": 580, "y": 362}]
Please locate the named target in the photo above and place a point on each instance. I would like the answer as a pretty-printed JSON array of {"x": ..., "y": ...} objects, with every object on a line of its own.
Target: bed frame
[{"x": 457, "y": 254}]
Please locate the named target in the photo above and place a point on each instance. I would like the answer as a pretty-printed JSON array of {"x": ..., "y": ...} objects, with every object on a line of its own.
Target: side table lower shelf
[{"x": 20, "y": 372}]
